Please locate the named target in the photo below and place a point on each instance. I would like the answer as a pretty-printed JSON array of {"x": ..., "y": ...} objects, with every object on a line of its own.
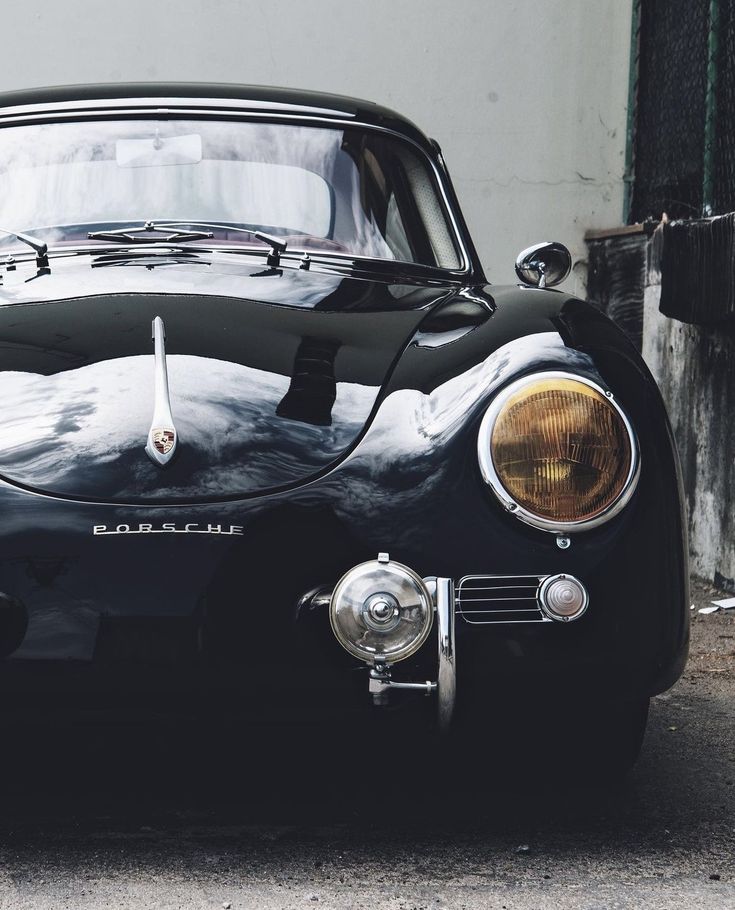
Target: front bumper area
[{"x": 177, "y": 619}]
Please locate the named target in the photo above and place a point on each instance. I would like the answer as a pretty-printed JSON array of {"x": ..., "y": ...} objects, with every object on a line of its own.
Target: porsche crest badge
[
  {"x": 163, "y": 440},
  {"x": 162, "y": 436}
]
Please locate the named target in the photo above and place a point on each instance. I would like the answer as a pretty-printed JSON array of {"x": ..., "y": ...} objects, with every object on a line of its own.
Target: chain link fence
[
  {"x": 684, "y": 134},
  {"x": 723, "y": 140}
]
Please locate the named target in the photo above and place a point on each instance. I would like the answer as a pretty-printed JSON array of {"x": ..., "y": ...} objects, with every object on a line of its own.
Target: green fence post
[
  {"x": 710, "y": 110},
  {"x": 629, "y": 174}
]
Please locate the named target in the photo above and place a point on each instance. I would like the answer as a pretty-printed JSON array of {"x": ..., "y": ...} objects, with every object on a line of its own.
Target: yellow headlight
[{"x": 562, "y": 451}]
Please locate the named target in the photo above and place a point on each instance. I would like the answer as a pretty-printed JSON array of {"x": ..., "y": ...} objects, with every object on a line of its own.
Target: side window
[
  {"x": 429, "y": 211},
  {"x": 395, "y": 232},
  {"x": 405, "y": 200}
]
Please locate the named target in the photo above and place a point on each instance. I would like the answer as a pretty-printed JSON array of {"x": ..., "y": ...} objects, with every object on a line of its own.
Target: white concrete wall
[
  {"x": 693, "y": 366},
  {"x": 527, "y": 97}
]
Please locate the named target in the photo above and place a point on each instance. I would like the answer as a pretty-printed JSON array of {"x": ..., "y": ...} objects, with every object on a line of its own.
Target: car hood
[{"x": 267, "y": 389}]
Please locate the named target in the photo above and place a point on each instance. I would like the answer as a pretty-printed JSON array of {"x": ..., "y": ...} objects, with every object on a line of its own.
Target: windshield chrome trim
[
  {"x": 163, "y": 102},
  {"x": 291, "y": 258},
  {"x": 69, "y": 111},
  {"x": 393, "y": 270}
]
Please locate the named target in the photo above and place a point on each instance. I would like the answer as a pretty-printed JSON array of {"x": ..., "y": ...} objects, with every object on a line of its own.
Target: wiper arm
[
  {"x": 138, "y": 235},
  {"x": 276, "y": 244},
  {"x": 277, "y": 247},
  {"x": 38, "y": 245},
  {"x": 149, "y": 234}
]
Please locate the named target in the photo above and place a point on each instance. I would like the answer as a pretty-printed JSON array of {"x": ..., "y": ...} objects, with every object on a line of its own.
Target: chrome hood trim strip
[{"x": 162, "y": 436}]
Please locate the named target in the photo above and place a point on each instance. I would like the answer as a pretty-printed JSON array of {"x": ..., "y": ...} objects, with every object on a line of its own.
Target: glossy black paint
[
  {"x": 269, "y": 387},
  {"x": 255, "y": 98},
  {"x": 324, "y": 416}
]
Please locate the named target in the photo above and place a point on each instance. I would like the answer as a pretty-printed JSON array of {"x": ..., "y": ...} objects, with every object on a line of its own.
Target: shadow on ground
[{"x": 171, "y": 814}]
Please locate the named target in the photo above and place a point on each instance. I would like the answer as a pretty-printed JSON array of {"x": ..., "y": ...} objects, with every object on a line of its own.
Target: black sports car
[{"x": 268, "y": 437}]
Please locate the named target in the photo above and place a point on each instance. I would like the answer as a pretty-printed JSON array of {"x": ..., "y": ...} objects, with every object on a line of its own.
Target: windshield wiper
[
  {"x": 137, "y": 235},
  {"x": 149, "y": 234},
  {"x": 38, "y": 245}
]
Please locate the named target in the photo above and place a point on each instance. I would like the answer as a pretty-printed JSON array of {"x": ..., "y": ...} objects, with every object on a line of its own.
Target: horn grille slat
[{"x": 501, "y": 599}]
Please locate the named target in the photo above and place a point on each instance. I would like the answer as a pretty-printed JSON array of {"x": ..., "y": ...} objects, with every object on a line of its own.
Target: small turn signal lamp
[{"x": 563, "y": 598}]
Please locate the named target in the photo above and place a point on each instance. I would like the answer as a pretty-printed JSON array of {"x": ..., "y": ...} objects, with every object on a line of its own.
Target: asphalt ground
[{"x": 159, "y": 817}]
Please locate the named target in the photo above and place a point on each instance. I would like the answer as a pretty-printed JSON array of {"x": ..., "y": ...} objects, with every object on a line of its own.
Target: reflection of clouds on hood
[
  {"x": 411, "y": 423},
  {"x": 83, "y": 431},
  {"x": 396, "y": 464}
]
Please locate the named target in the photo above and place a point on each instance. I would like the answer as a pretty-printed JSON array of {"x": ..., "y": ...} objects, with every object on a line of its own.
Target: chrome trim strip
[
  {"x": 509, "y": 586},
  {"x": 490, "y": 475},
  {"x": 437, "y": 276},
  {"x": 534, "y": 611},
  {"x": 162, "y": 436},
  {"x": 469, "y": 600},
  {"x": 165, "y": 103},
  {"x": 447, "y": 679},
  {"x": 509, "y": 622},
  {"x": 106, "y": 109},
  {"x": 465, "y": 578}
]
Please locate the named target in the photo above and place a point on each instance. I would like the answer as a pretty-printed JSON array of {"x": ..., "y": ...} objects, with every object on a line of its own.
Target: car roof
[{"x": 260, "y": 98}]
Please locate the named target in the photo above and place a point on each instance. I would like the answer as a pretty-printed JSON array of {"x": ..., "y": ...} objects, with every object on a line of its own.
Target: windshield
[{"x": 354, "y": 191}]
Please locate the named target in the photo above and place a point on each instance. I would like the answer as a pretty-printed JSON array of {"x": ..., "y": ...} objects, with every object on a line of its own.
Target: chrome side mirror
[{"x": 544, "y": 265}]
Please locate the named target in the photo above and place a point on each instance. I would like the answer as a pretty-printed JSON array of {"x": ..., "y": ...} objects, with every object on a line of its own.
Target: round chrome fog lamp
[
  {"x": 381, "y": 611},
  {"x": 563, "y": 597}
]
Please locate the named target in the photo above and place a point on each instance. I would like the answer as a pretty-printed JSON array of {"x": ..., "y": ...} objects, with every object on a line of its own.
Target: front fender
[{"x": 414, "y": 481}]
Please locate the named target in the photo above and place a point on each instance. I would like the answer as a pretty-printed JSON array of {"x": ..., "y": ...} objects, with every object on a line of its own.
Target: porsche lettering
[{"x": 169, "y": 528}]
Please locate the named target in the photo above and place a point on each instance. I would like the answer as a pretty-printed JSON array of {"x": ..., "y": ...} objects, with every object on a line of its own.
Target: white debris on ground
[{"x": 728, "y": 603}]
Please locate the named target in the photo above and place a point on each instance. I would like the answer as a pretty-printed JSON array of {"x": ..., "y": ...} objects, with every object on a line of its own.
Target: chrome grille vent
[{"x": 486, "y": 599}]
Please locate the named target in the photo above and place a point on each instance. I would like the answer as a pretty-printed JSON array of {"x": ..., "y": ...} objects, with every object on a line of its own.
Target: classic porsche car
[{"x": 268, "y": 436}]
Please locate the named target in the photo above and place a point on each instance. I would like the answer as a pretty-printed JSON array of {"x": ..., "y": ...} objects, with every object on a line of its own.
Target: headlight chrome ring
[{"x": 602, "y": 408}]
